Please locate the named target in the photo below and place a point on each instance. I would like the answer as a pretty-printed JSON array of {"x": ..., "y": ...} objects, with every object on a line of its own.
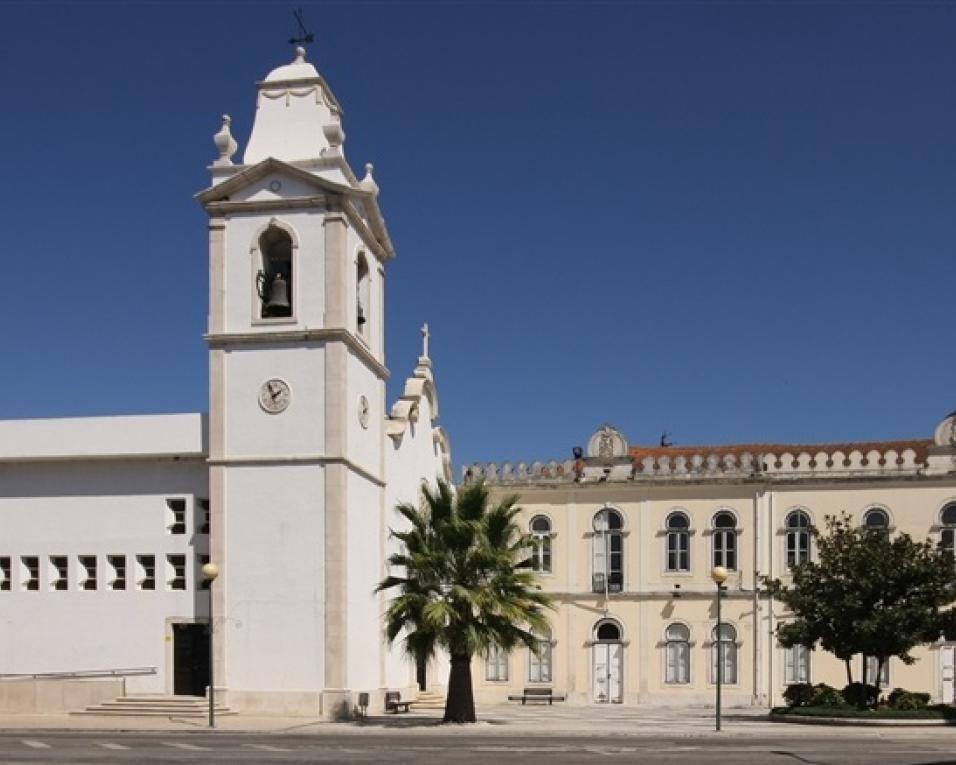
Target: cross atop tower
[{"x": 425, "y": 335}]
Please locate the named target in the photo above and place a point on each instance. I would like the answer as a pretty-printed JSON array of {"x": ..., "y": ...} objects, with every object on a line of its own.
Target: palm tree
[{"x": 467, "y": 585}]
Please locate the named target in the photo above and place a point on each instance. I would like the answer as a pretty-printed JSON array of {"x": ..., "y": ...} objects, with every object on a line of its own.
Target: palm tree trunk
[
  {"x": 849, "y": 672},
  {"x": 460, "y": 702}
]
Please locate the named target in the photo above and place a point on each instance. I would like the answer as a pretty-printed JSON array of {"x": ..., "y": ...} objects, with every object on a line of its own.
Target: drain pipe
[
  {"x": 770, "y": 571},
  {"x": 756, "y": 601}
]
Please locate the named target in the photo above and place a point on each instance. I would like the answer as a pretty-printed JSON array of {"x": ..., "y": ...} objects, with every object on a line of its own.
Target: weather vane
[{"x": 305, "y": 36}]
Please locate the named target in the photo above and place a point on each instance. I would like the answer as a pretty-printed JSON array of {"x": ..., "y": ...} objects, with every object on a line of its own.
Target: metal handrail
[{"x": 82, "y": 674}]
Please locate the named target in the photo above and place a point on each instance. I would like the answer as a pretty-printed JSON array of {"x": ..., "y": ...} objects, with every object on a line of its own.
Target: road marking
[
  {"x": 267, "y": 748},
  {"x": 110, "y": 745},
  {"x": 35, "y": 744},
  {"x": 190, "y": 747}
]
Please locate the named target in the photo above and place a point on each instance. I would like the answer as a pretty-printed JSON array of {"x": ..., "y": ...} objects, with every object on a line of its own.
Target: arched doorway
[{"x": 607, "y": 663}]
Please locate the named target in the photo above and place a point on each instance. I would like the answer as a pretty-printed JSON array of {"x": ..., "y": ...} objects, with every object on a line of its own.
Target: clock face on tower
[
  {"x": 274, "y": 395},
  {"x": 363, "y": 411}
]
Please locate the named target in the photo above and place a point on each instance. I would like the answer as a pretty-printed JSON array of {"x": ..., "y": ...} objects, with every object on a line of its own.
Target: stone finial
[
  {"x": 225, "y": 143},
  {"x": 368, "y": 182},
  {"x": 299, "y": 55}
]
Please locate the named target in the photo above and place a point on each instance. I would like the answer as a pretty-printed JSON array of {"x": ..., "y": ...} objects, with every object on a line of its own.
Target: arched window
[
  {"x": 677, "y": 654},
  {"x": 725, "y": 540},
  {"x": 947, "y": 536},
  {"x": 362, "y": 294},
  {"x": 678, "y": 542},
  {"x": 539, "y": 664},
  {"x": 274, "y": 280},
  {"x": 876, "y": 519},
  {"x": 607, "y": 632},
  {"x": 798, "y": 538},
  {"x": 724, "y": 645},
  {"x": 540, "y": 528},
  {"x": 608, "y": 552}
]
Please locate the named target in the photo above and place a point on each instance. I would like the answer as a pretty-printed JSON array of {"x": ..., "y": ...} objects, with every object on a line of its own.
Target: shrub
[
  {"x": 859, "y": 695},
  {"x": 799, "y": 694},
  {"x": 902, "y": 699},
  {"x": 826, "y": 696}
]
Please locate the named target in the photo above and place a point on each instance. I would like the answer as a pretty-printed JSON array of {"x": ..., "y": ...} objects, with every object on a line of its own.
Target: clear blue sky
[{"x": 730, "y": 221}]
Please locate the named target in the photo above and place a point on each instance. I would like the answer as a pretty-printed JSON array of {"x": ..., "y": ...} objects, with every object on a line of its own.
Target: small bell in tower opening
[
  {"x": 360, "y": 315},
  {"x": 274, "y": 294}
]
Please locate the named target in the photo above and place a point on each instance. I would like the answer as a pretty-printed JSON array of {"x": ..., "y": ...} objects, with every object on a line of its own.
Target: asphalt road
[{"x": 463, "y": 747}]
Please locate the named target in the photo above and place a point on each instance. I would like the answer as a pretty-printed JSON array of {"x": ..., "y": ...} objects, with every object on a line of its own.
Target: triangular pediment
[{"x": 260, "y": 181}]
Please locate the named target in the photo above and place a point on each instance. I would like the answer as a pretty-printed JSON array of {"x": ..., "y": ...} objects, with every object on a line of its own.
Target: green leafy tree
[
  {"x": 868, "y": 593},
  {"x": 466, "y": 585}
]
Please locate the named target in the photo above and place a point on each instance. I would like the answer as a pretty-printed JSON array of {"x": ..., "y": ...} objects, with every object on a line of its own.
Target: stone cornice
[
  {"x": 226, "y": 339},
  {"x": 215, "y": 200},
  {"x": 302, "y": 459}
]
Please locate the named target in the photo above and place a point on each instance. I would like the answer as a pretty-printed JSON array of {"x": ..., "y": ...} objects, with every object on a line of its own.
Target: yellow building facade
[{"x": 626, "y": 538}]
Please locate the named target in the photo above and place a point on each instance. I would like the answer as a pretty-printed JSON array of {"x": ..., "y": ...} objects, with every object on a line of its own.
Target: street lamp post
[
  {"x": 210, "y": 571},
  {"x": 719, "y": 575}
]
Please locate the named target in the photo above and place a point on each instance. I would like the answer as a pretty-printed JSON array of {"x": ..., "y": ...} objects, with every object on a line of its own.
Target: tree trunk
[
  {"x": 849, "y": 672},
  {"x": 460, "y": 702}
]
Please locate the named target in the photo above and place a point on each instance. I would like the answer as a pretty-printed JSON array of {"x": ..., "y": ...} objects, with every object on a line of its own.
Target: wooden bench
[
  {"x": 394, "y": 703},
  {"x": 538, "y": 694}
]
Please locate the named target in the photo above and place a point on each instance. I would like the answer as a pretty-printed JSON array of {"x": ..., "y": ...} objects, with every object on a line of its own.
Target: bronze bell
[
  {"x": 361, "y": 315},
  {"x": 277, "y": 304}
]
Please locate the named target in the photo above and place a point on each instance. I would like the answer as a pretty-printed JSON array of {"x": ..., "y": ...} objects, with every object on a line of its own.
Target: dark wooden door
[{"x": 190, "y": 659}]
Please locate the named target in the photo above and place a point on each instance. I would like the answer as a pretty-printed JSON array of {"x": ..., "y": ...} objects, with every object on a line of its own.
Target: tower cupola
[{"x": 297, "y": 116}]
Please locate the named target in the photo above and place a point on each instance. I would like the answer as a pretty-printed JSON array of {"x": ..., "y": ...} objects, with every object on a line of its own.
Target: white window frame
[
  {"x": 677, "y": 536},
  {"x": 871, "y": 672},
  {"x": 796, "y": 664},
  {"x": 730, "y": 655},
  {"x": 720, "y": 553},
  {"x": 542, "y": 554},
  {"x": 676, "y": 656},
  {"x": 602, "y": 553},
  {"x": 792, "y": 536},
  {"x": 496, "y": 665},
  {"x": 540, "y": 667}
]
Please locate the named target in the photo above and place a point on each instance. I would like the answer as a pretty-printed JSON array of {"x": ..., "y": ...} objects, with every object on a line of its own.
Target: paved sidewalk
[{"x": 531, "y": 721}]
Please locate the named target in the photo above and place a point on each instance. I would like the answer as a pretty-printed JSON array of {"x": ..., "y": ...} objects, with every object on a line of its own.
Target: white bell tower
[{"x": 297, "y": 250}]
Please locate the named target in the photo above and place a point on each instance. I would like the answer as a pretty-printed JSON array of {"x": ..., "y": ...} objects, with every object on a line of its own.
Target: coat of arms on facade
[{"x": 607, "y": 444}]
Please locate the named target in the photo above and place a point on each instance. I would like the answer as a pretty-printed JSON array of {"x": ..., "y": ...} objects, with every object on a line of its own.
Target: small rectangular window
[
  {"x": 117, "y": 565},
  {"x": 59, "y": 572},
  {"x": 175, "y": 572},
  {"x": 203, "y": 514},
  {"x": 5, "y": 573},
  {"x": 145, "y": 572},
  {"x": 30, "y": 572},
  {"x": 87, "y": 572},
  {"x": 202, "y": 560},
  {"x": 176, "y": 516}
]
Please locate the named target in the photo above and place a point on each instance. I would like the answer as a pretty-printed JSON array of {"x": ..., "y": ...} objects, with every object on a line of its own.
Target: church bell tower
[{"x": 297, "y": 251}]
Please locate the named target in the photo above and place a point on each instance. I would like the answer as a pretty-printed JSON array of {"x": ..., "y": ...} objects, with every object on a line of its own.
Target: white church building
[{"x": 288, "y": 483}]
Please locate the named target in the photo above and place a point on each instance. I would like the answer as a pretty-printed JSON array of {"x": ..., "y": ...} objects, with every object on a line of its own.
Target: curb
[{"x": 860, "y": 722}]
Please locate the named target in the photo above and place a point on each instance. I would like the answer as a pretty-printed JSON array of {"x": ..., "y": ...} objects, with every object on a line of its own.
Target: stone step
[
  {"x": 154, "y": 705},
  {"x": 147, "y": 712}
]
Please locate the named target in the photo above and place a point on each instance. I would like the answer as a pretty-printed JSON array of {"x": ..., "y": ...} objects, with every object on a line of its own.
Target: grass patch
[{"x": 936, "y": 712}]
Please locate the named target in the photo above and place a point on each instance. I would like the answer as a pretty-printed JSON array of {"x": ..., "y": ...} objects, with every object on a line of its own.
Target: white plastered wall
[
  {"x": 274, "y": 541},
  {"x": 101, "y": 508}
]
